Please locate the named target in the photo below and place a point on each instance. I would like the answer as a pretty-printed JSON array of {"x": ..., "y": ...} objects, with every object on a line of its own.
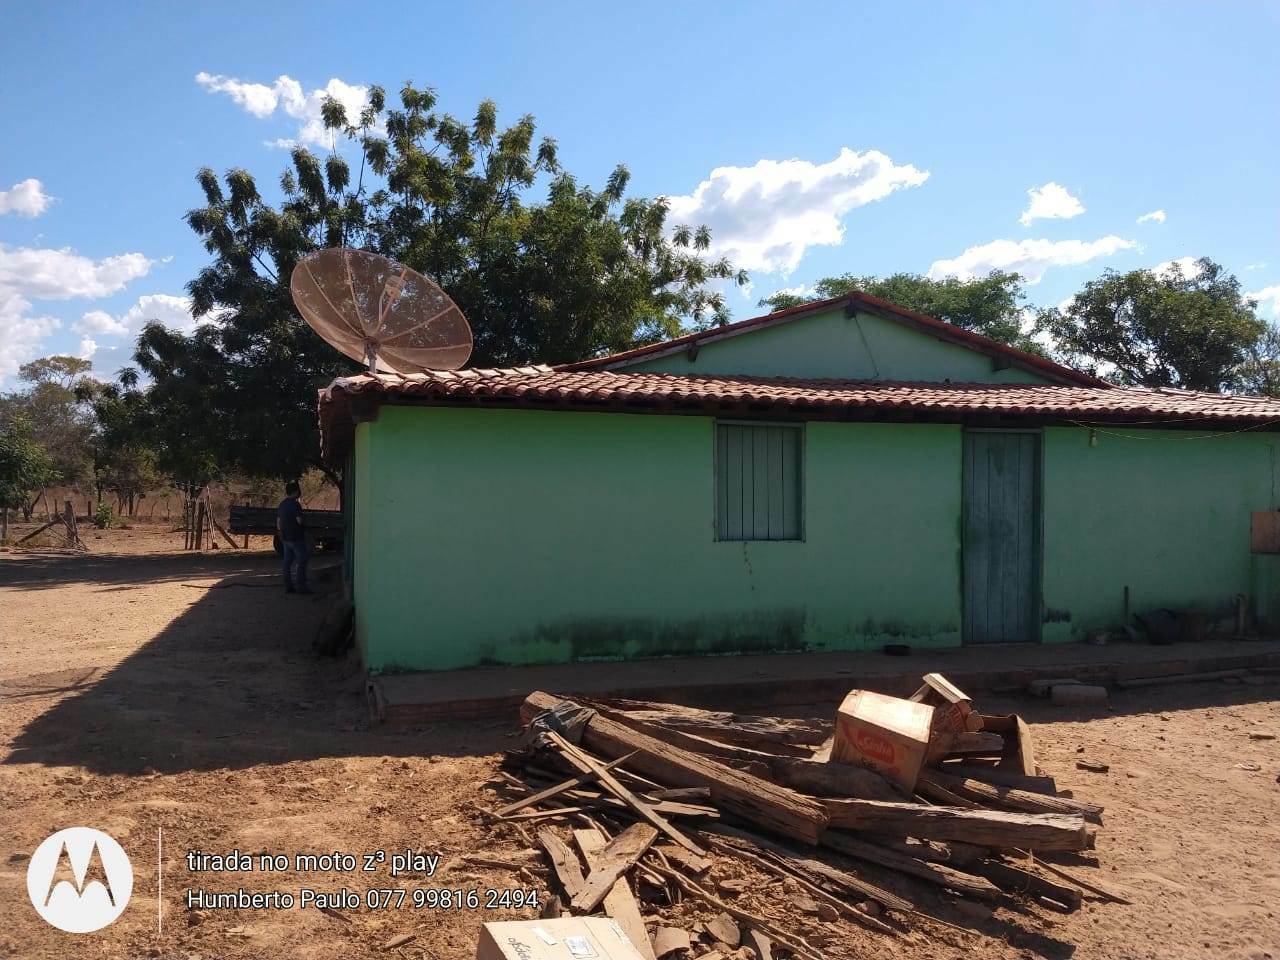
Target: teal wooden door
[{"x": 1001, "y": 545}]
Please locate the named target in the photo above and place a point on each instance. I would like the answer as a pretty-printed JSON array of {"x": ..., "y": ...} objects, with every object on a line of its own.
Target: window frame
[{"x": 801, "y": 479}]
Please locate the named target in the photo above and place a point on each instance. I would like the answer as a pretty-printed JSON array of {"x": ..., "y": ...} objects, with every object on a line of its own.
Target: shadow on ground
[{"x": 230, "y": 683}]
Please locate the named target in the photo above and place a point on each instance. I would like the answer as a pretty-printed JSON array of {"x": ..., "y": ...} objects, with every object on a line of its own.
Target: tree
[
  {"x": 992, "y": 305},
  {"x": 24, "y": 467},
  {"x": 578, "y": 273},
  {"x": 60, "y": 423},
  {"x": 1167, "y": 329}
]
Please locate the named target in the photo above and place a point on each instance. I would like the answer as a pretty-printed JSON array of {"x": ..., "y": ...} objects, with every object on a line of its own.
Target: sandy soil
[{"x": 148, "y": 690}]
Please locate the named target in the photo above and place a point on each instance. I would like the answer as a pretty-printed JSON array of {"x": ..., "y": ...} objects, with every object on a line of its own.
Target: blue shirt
[{"x": 289, "y": 513}]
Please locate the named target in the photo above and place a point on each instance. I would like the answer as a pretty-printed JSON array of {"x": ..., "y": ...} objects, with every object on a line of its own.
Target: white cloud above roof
[
  {"x": 766, "y": 217},
  {"x": 1050, "y": 202},
  {"x": 287, "y": 97},
  {"x": 26, "y": 198},
  {"x": 1155, "y": 216},
  {"x": 1031, "y": 258}
]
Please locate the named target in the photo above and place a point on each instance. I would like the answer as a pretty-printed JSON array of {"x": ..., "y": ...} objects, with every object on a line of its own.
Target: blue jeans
[{"x": 294, "y": 553}]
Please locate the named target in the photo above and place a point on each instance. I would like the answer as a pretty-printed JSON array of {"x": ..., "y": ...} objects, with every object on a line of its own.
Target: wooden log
[
  {"x": 855, "y": 885},
  {"x": 935, "y": 873},
  {"x": 990, "y": 828},
  {"x": 1007, "y": 798},
  {"x": 619, "y": 902},
  {"x": 758, "y": 801},
  {"x": 1000, "y": 777},
  {"x": 743, "y": 728},
  {"x": 1013, "y": 879},
  {"x": 607, "y": 779},
  {"x": 1089, "y": 885},
  {"x": 982, "y": 742},
  {"x": 936, "y": 793},
  {"x": 803, "y": 774},
  {"x": 563, "y": 861},
  {"x": 39, "y": 530},
  {"x": 613, "y": 861}
]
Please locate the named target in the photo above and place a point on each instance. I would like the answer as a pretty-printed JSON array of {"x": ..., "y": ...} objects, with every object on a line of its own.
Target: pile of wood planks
[{"x": 712, "y": 834}]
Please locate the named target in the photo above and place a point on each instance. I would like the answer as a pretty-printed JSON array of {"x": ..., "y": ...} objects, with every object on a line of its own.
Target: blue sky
[{"x": 813, "y": 138}]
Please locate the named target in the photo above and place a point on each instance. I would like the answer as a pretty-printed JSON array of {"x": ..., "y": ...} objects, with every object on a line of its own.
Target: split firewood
[
  {"x": 758, "y": 801},
  {"x": 669, "y": 940},
  {"x": 1009, "y": 798},
  {"x": 992, "y": 828},
  {"x": 841, "y": 907},
  {"x": 694, "y": 865},
  {"x": 795, "y": 945},
  {"x": 1026, "y": 749},
  {"x": 1092, "y": 767},
  {"x": 620, "y": 902},
  {"x": 725, "y": 930},
  {"x": 617, "y": 857},
  {"x": 564, "y": 862},
  {"x": 758, "y": 943},
  {"x": 935, "y": 792},
  {"x": 622, "y": 793},
  {"x": 683, "y": 794},
  {"x": 550, "y": 792}
]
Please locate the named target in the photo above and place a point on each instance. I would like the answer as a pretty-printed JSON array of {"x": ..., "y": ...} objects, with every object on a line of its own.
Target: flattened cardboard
[{"x": 565, "y": 938}]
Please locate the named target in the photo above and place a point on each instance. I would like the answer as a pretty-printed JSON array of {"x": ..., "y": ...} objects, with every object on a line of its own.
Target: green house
[{"x": 832, "y": 477}]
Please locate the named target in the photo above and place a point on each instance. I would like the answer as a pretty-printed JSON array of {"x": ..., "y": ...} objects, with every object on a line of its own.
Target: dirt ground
[{"x": 148, "y": 690}]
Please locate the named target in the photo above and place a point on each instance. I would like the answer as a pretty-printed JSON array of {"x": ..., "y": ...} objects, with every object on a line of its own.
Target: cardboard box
[
  {"x": 952, "y": 707},
  {"x": 567, "y": 938},
  {"x": 886, "y": 734}
]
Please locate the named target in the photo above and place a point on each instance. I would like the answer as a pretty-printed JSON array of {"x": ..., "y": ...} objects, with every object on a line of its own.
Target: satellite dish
[{"x": 380, "y": 312}]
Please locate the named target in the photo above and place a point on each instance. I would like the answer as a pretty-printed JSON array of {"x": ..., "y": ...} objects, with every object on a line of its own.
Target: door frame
[{"x": 1037, "y": 527}]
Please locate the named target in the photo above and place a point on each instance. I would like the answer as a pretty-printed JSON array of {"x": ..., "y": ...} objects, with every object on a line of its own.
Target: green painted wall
[
  {"x": 1164, "y": 512},
  {"x": 514, "y": 536},
  {"x": 506, "y": 536},
  {"x": 831, "y": 345}
]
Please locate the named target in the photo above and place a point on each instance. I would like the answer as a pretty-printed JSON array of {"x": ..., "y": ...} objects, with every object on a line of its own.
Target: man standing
[{"x": 291, "y": 526}]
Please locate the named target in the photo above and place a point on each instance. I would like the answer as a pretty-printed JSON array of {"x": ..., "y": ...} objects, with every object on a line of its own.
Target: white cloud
[
  {"x": 25, "y": 198},
  {"x": 287, "y": 96},
  {"x": 21, "y": 334},
  {"x": 174, "y": 312},
  {"x": 765, "y": 217},
  {"x": 1155, "y": 216},
  {"x": 1268, "y": 299},
  {"x": 30, "y": 273},
  {"x": 1050, "y": 202},
  {"x": 799, "y": 290},
  {"x": 1190, "y": 267},
  {"x": 45, "y": 274},
  {"x": 88, "y": 347},
  {"x": 1031, "y": 258}
]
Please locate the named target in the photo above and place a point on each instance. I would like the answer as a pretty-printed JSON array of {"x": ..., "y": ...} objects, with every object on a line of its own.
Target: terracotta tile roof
[
  {"x": 786, "y": 398},
  {"x": 922, "y": 322}
]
